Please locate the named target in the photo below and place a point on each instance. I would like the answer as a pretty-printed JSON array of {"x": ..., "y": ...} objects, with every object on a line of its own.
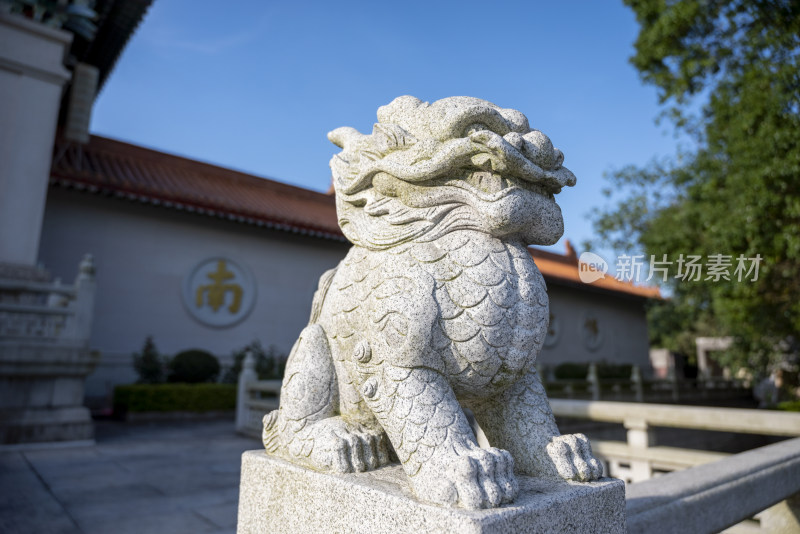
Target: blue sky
[{"x": 256, "y": 85}]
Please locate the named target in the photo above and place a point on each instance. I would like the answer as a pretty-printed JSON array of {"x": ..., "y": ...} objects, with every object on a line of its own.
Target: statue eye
[{"x": 476, "y": 127}]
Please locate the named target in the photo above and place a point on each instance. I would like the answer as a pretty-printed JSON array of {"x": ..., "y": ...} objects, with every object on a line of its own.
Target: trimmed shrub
[
  {"x": 789, "y": 406},
  {"x": 149, "y": 364},
  {"x": 571, "y": 371},
  {"x": 174, "y": 398},
  {"x": 605, "y": 371},
  {"x": 193, "y": 366},
  {"x": 614, "y": 371}
]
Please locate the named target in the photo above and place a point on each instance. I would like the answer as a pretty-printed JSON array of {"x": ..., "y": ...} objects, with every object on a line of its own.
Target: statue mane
[{"x": 430, "y": 169}]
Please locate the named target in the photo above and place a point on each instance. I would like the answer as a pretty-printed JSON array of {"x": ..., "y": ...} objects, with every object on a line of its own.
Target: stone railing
[
  {"x": 695, "y": 491},
  {"x": 638, "y": 389},
  {"x": 639, "y": 458},
  {"x": 763, "y": 482},
  {"x": 48, "y": 311},
  {"x": 254, "y": 398},
  {"x": 636, "y": 460},
  {"x": 708, "y": 491},
  {"x": 45, "y": 357}
]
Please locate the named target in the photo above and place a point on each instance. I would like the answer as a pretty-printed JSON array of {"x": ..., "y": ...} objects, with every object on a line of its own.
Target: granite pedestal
[{"x": 276, "y": 496}]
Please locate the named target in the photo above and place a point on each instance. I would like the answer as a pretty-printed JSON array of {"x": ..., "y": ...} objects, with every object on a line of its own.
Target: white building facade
[{"x": 198, "y": 256}]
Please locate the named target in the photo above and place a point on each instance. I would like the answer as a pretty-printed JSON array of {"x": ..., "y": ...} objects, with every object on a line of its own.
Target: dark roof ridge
[
  {"x": 133, "y": 152},
  {"x": 124, "y": 170}
]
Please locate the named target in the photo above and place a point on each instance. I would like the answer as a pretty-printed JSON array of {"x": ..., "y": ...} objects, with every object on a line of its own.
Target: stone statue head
[{"x": 458, "y": 163}]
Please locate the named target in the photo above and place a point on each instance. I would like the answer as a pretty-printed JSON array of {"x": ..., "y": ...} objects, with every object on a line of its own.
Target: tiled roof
[
  {"x": 113, "y": 168},
  {"x": 120, "y": 169},
  {"x": 564, "y": 269}
]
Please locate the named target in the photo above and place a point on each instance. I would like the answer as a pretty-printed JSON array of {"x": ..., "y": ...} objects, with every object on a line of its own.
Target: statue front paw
[
  {"x": 572, "y": 457},
  {"x": 477, "y": 478},
  {"x": 331, "y": 445},
  {"x": 340, "y": 447}
]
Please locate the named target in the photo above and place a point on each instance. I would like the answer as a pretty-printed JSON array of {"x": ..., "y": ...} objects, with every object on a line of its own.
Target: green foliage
[
  {"x": 149, "y": 364},
  {"x": 571, "y": 371},
  {"x": 789, "y": 406},
  {"x": 614, "y": 371},
  {"x": 174, "y": 398},
  {"x": 270, "y": 363},
  {"x": 193, "y": 366},
  {"x": 675, "y": 323},
  {"x": 605, "y": 371},
  {"x": 738, "y": 192}
]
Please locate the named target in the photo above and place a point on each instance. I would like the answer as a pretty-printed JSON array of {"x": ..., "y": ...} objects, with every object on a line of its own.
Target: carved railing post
[
  {"x": 83, "y": 306},
  {"x": 638, "y": 387},
  {"x": 676, "y": 387},
  {"x": 782, "y": 517},
  {"x": 246, "y": 377},
  {"x": 594, "y": 381},
  {"x": 57, "y": 299},
  {"x": 640, "y": 437}
]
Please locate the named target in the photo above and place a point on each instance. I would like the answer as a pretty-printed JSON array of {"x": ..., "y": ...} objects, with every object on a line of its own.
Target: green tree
[
  {"x": 193, "y": 366},
  {"x": 728, "y": 74},
  {"x": 149, "y": 364},
  {"x": 270, "y": 363}
]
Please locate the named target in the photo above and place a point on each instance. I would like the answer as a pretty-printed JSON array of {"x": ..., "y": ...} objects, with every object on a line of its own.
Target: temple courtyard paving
[
  {"x": 139, "y": 477},
  {"x": 176, "y": 477}
]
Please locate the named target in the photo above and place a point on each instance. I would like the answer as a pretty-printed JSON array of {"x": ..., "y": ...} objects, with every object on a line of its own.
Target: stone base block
[
  {"x": 276, "y": 496},
  {"x": 43, "y": 425}
]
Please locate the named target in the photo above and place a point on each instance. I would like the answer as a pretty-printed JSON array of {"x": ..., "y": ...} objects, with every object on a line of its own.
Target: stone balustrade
[
  {"x": 45, "y": 358},
  {"x": 254, "y": 398},
  {"x": 712, "y": 497},
  {"x": 47, "y": 311},
  {"x": 702, "y": 492},
  {"x": 639, "y": 458},
  {"x": 638, "y": 389},
  {"x": 771, "y": 423}
]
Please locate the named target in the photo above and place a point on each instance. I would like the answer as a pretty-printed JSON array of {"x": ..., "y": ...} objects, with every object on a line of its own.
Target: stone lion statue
[{"x": 437, "y": 306}]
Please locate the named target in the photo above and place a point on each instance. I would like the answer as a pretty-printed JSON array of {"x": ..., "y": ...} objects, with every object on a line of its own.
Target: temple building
[
  {"x": 188, "y": 253},
  {"x": 54, "y": 57},
  {"x": 199, "y": 256}
]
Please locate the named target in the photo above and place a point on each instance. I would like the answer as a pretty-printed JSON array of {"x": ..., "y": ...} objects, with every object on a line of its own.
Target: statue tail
[
  {"x": 319, "y": 295},
  {"x": 269, "y": 436}
]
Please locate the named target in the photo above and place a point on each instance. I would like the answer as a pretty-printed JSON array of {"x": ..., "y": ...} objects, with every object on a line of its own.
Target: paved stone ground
[
  {"x": 164, "y": 477},
  {"x": 169, "y": 477}
]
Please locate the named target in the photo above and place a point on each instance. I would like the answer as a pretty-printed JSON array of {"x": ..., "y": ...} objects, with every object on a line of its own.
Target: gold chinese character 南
[{"x": 216, "y": 291}]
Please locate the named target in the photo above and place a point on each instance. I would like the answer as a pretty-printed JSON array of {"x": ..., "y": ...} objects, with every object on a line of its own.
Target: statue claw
[
  {"x": 572, "y": 456},
  {"x": 478, "y": 478}
]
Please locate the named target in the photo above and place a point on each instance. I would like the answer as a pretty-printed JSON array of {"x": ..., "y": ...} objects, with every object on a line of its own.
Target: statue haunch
[{"x": 437, "y": 303}]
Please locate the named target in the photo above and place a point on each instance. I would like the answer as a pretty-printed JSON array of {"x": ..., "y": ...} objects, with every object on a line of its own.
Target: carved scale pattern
[{"x": 488, "y": 300}]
